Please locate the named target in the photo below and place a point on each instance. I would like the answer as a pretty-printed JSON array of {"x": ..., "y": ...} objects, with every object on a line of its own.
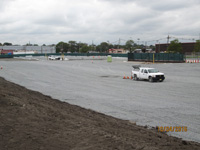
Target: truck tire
[
  {"x": 150, "y": 79},
  {"x": 135, "y": 77}
]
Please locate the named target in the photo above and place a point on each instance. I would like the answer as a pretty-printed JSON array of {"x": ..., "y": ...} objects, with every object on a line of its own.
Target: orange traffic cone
[
  {"x": 1, "y": 67},
  {"x": 124, "y": 77},
  {"x": 127, "y": 77}
]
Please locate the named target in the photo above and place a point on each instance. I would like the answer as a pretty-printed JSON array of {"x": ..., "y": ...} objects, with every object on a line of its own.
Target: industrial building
[
  {"x": 187, "y": 47},
  {"x": 30, "y": 49}
]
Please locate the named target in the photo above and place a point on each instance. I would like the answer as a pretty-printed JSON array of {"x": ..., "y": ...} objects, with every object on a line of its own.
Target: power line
[{"x": 155, "y": 40}]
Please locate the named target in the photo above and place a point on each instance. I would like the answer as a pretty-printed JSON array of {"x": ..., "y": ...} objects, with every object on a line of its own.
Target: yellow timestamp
[{"x": 172, "y": 129}]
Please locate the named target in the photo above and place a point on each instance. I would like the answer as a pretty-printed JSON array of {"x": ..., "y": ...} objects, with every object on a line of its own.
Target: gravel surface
[{"x": 98, "y": 85}]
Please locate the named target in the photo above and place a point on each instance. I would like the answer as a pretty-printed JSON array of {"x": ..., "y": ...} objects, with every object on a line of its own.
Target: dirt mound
[{"x": 31, "y": 120}]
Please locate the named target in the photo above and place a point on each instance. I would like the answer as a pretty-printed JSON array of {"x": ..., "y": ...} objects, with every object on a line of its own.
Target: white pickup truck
[
  {"x": 53, "y": 57},
  {"x": 145, "y": 73}
]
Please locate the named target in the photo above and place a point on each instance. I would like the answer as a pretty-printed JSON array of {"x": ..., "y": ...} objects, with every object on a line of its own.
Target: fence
[
  {"x": 192, "y": 57},
  {"x": 6, "y": 56},
  {"x": 157, "y": 57},
  {"x": 74, "y": 54}
]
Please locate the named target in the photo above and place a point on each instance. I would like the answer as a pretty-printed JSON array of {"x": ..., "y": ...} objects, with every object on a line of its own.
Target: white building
[{"x": 30, "y": 49}]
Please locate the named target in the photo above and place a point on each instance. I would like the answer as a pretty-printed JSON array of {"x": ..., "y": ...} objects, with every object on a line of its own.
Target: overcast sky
[{"x": 52, "y": 21}]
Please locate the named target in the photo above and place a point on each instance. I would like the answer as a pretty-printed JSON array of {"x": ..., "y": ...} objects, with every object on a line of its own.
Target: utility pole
[
  {"x": 138, "y": 42},
  {"x": 159, "y": 46},
  {"x": 118, "y": 43},
  {"x": 145, "y": 44},
  {"x": 167, "y": 42},
  {"x": 92, "y": 46},
  {"x": 41, "y": 50},
  {"x": 24, "y": 48}
]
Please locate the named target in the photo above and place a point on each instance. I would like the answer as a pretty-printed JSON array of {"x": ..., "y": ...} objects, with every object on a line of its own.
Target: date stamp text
[{"x": 172, "y": 129}]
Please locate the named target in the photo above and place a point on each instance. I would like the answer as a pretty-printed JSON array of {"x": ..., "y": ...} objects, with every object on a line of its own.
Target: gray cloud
[{"x": 50, "y": 21}]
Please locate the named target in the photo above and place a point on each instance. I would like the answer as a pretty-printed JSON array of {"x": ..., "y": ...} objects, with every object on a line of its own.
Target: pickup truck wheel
[
  {"x": 150, "y": 79},
  {"x": 135, "y": 77}
]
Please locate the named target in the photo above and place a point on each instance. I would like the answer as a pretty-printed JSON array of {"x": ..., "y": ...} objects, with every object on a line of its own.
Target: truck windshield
[{"x": 153, "y": 70}]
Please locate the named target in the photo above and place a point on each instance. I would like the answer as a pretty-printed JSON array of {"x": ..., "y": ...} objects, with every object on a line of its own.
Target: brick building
[
  {"x": 187, "y": 47},
  {"x": 6, "y": 52}
]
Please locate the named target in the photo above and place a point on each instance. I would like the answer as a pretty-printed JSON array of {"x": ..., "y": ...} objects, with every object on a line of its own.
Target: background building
[
  {"x": 6, "y": 52},
  {"x": 32, "y": 49},
  {"x": 117, "y": 51},
  {"x": 187, "y": 47}
]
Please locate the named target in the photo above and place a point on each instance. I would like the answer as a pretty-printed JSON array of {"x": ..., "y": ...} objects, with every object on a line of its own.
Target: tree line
[
  {"x": 79, "y": 47},
  {"x": 73, "y": 46}
]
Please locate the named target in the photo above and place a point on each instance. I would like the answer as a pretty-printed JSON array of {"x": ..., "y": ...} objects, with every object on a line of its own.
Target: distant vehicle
[
  {"x": 145, "y": 73},
  {"x": 53, "y": 57}
]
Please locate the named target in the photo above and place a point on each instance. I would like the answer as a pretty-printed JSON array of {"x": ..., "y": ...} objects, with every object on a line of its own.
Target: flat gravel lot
[{"x": 98, "y": 85}]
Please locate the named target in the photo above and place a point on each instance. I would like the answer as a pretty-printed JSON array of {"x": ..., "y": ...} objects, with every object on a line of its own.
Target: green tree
[
  {"x": 104, "y": 46},
  {"x": 152, "y": 47},
  {"x": 80, "y": 45},
  {"x": 73, "y": 46},
  {"x": 62, "y": 47},
  {"x": 110, "y": 46},
  {"x": 197, "y": 46},
  {"x": 7, "y": 44},
  {"x": 129, "y": 45},
  {"x": 29, "y": 44},
  {"x": 175, "y": 47},
  {"x": 92, "y": 47},
  {"x": 98, "y": 48},
  {"x": 144, "y": 49},
  {"x": 84, "y": 49}
]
